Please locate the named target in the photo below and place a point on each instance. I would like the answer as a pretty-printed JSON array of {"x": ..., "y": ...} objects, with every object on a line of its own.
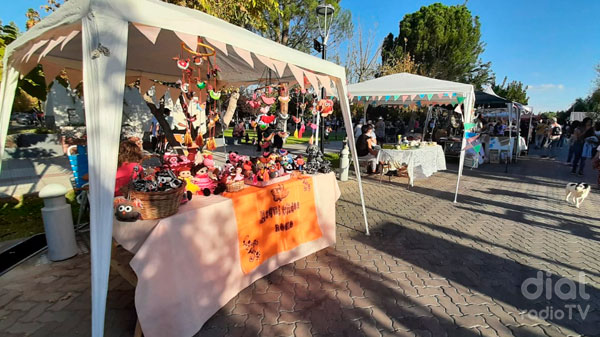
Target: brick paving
[{"x": 430, "y": 268}]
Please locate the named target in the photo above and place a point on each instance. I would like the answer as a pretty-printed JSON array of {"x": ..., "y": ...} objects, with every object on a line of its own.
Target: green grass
[
  {"x": 23, "y": 217},
  {"x": 334, "y": 158}
]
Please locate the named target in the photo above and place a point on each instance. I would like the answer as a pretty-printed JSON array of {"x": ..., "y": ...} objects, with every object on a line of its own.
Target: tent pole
[
  {"x": 10, "y": 78},
  {"x": 340, "y": 84},
  {"x": 104, "y": 85},
  {"x": 510, "y": 148},
  {"x": 468, "y": 106}
]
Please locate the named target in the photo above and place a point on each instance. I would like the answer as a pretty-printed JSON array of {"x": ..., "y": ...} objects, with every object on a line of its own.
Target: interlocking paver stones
[{"x": 430, "y": 268}]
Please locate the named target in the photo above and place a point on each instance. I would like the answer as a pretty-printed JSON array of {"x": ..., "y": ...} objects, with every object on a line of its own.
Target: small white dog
[{"x": 578, "y": 192}]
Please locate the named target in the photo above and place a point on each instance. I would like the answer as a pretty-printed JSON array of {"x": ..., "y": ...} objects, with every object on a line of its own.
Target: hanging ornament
[
  {"x": 198, "y": 60},
  {"x": 201, "y": 85},
  {"x": 185, "y": 87},
  {"x": 183, "y": 64},
  {"x": 214, "y": 95}
]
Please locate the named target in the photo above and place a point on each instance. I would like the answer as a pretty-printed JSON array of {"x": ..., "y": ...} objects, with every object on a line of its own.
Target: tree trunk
[{"x": 164, "y": 125}]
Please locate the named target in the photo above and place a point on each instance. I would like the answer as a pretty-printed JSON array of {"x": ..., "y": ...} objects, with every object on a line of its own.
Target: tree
[
  {"x": 294, "y": 24},
  {"x": 8, "y": 34},
  {"x": 361, "y": 58},
  {"x": 513, "y": 91},
  {"x": 405, "y": 64},
  {"x": 445, "y": 42}
]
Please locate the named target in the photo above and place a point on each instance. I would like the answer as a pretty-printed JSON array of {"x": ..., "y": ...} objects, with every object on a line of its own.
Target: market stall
[
  {"x": 413, "y": 90},
  {"x": 107, "y": 43},
  {"x": 421, "y": 162}
]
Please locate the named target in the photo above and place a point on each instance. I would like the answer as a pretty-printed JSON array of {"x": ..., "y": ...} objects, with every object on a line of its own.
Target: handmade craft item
[{"x": 231, "y": 108}]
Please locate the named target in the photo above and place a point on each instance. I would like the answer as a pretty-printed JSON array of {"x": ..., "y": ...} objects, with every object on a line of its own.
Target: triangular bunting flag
[
  {"x": 222, "y": 46},
  {"x": 325, "y": 83},
  {"x": 358, "y": 98},
  {"x": 53, "y": 43},
  {"x": 51, "y": 70},
  {"x": 460, "y": 99},
  {"x": 477, "y": 148},
  {"x": 469, "y": 126},
  {"x": 312, "y": 78},
  {"x": 387, "y": 98},
  {"x": 429, "y": 96},
  {"x": 280, "y": 66},
  {"x": 298, "y": 75},
  {"x": 244, "y": 55},
  {"x": 266, "y": 61},
  {"x": 396, "y": 97},
  {"x": 150, "y": 32},
  {"x": 421, "y": 96},
  {"x": 458, "y": 109},
  {"x": 75, "y": 77},
  {"x": 145, "y": 85},
  {"x": 367, "y": 98},
  {"x": 404, "y": 98},
  {"x": 191, "y": 41},
  {"x": 453, "y": 94},
  {"x": 68, "y": 38},
  {"x": 350, "y": 96},
  {"x": 160, "y": 90},
  {"x": 33, "y": 49}
]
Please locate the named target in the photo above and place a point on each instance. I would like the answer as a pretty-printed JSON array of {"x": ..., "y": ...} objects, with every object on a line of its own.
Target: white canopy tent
[
  {"x": 105, "y": 43},
  {"x": 414, "y": 90}
]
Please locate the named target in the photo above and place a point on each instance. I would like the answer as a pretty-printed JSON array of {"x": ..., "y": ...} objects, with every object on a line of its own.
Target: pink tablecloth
[{"x": 188, "y": 266}]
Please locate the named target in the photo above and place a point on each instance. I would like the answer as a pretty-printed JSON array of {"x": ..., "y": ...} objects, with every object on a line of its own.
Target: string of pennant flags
[{"x": 413, "y": 100}]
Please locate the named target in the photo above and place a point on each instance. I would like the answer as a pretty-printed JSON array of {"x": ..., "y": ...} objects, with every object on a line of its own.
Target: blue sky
[{"x": 550, "y": 45}]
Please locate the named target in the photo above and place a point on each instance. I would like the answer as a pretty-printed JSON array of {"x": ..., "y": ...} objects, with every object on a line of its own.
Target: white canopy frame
[
  {"x": 410, "y": 90},
  {"x": 108, "y": 51}
]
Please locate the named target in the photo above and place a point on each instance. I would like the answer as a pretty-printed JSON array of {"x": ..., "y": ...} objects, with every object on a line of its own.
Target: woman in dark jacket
[{"x": 580, "y": 134}]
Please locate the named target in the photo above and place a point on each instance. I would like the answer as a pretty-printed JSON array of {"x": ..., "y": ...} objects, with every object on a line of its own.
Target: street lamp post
[{"x": 324, "y": 19}]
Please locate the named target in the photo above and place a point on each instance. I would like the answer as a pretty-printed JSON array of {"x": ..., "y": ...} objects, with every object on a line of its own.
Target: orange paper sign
[{"x": 274, "y": 219}]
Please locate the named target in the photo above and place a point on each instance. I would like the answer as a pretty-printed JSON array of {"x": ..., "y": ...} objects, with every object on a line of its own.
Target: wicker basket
[
  {"x": 158, "y": 205},
  {"x": 236, "y": 186}
]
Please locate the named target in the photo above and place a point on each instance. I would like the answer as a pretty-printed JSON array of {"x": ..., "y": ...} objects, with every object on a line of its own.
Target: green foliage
[
  {"x": 445, "y": 42},
  {"x": 8, "y": 34},
  {"x": 513, "y": 91}
]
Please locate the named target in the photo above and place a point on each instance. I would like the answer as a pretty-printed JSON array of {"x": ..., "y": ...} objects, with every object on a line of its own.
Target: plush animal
[
  {"x": 127, "y": 210},
  {"x": 185, "y": 174},
  {"x": 577, "y": 192}
]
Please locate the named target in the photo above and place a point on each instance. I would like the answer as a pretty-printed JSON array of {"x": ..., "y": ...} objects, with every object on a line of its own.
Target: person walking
[
  {"x": 581, "y": 133},
  {"x": 554, "y": 135}
]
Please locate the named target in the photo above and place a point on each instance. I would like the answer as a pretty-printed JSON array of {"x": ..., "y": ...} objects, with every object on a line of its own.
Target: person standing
[
  {"x": 581, "y": 133},
  {"x": 571, "y": 140},
  {"x": 380, "y": 130},
  {"x": 553, "y": 135},
  {"x": 540, "y": 131}
]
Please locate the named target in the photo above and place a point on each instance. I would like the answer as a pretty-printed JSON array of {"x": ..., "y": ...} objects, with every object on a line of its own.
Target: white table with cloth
[
  {"x": 189, "y": 265},
  {"x": 421, "y": 162}
]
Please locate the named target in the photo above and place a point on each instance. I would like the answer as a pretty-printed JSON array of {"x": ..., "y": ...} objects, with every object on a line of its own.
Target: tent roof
[
  {"x": 243, "y": 56},
  {"x": 407, "y": 84},
  {"x": 490, "y": 101}
]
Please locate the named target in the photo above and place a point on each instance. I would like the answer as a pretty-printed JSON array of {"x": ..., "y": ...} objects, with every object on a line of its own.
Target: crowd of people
[{"x": 581, "y": 137}]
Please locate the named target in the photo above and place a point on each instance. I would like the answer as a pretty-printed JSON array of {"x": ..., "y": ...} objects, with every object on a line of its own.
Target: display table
[
  {"x": 421, "y": 162},
  {"x": 189, "y": 265}
]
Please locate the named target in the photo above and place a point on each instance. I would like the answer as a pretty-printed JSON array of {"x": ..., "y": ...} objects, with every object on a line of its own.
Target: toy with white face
[{"x": 127, "y": 212}]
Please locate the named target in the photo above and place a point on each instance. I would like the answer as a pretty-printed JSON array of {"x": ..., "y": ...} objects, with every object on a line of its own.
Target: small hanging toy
[{"x": 201, "y": 85}]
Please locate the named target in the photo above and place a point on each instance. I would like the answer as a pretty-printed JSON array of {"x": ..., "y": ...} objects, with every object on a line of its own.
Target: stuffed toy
[
  {"x": 208, "y": 160},
  {"x": 325, "y": 107},
  {"x": 127, "y": 210},
  {"x": 231, "y": 108},
  {"x": 185, "y": 174},
  {"x": 206, "y": 180},
  {"x": 284, "y": 99},
  {"x": 267, "y": 100}
]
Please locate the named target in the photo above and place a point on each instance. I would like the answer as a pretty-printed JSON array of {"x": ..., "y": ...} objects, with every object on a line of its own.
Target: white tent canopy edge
[
  {"x": 412, "y": 87},
  {"x": 105, "y": 23}
]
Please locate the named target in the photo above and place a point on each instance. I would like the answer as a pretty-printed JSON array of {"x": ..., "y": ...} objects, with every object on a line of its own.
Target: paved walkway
[{"x": 430, "y": 268}]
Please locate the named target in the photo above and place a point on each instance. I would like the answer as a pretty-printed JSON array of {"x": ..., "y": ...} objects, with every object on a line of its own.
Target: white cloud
[{"x": 545, "y": 87}]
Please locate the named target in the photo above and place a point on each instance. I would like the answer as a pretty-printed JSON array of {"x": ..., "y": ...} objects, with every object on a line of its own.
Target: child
[{"x": 130, "y": 156}]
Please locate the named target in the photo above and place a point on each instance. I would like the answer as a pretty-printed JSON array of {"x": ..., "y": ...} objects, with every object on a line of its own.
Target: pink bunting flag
[
  {"x": 75, "y": 77},
  {"x": 191, "y": 41},
  {"x": 298, "y": 75},
  {"x": 244, "y": 55},
  {"x": 145, "y": 85},
  {"x": 51, "y": 70},
  {"x": 33, "y": 49},
  {"x": 67, "y": 39},
  {"x": 404, "y": 98},
  {"x": 312, "y": 78},
  {"x": 160, "y": 90},
  {"x": 325, "y": 83},
  {"x": 280, "y": 66},
  {"x": 266, "y": 61},
  {"x": 53, "y": 43},
  {"x": 222, "y": 46},
  {"x": 150, "y": 32}
]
